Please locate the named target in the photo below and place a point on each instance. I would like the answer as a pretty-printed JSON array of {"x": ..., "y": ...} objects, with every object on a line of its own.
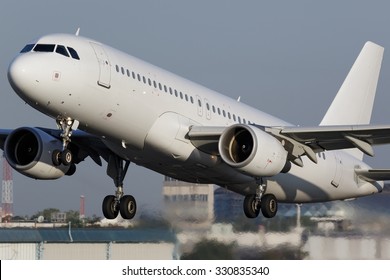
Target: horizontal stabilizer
[{"x": 372, "y": 175}]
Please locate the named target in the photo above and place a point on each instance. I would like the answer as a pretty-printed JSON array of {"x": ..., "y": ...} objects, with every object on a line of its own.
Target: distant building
[
  {"x": 227, "y": 205},
  {"x": 188, "y": 205},
  {"x": 58, "y": 217}
]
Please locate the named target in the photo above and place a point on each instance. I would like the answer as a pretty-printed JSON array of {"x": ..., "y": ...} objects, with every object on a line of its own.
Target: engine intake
[
  {"x": 29, "y": 151},
  {"x": 252, "y": 151}
]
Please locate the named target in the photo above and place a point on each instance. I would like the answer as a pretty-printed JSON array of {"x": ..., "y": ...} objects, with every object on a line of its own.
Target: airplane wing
[
  {"x": 372, "y": 175},
  {"x": 307, "y": 141}
]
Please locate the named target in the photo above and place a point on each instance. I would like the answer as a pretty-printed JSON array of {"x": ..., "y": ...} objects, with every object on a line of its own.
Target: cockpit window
[
  {"x": 62, "y": 50},
  {"x": 27, "y": 48},
  {"x": 44, "y": 48},
  {"x": 73, "y": 53}
]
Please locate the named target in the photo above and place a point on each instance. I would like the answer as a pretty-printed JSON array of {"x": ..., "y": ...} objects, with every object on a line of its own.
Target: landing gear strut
[
  {"x": 65, "y": 157},
  {"x": 113, "y": 204},
  {"x": 267, "y": 203}
]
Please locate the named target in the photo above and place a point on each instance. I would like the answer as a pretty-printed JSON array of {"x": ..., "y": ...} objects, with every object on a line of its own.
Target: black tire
[
  {"x": 66, "y": 157},
  {"x": 128, "y": 207},
  {"x": 269, "y": 205},
  {"x": 251, "y": 206},
  {"x": 71, "y": 170},
  {"x": 110, "y": 207},
  {"x": 56, "y": 157}
]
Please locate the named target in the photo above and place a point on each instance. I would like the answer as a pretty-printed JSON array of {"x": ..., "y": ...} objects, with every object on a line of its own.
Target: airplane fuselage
[{"x": 144, "y": 113}]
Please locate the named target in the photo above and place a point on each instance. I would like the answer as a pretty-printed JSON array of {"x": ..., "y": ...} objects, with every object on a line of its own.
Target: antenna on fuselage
[
  {"x": 78, "y": 31},
  {"x": 239, "y": 98}
]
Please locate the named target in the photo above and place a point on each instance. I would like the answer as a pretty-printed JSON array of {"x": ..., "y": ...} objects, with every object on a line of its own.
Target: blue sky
[{"x": 287, "y": 58}]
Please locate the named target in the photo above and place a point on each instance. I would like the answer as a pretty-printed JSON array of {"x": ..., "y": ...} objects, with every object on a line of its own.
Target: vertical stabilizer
[{"x": 355, "y": 99}]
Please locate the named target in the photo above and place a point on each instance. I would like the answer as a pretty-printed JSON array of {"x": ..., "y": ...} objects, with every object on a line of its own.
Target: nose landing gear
[{"x": 65, "y": 157}]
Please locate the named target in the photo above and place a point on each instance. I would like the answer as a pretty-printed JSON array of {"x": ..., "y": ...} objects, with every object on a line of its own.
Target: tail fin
[{"x": 355, "y": 99}]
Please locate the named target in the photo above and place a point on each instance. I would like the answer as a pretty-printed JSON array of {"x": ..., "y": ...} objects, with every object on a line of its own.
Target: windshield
[{"x": 59, "y": 49}]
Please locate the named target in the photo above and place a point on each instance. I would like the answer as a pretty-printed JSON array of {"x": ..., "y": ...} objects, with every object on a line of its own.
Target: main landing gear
[
  {"x": 113, "y": 204},
  {"x": 267, "y": 203}
]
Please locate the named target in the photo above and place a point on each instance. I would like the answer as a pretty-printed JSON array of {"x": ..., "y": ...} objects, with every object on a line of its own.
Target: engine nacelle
[
  {"x": 252, "y": 151},
  {"x": 29, "y": 151}
]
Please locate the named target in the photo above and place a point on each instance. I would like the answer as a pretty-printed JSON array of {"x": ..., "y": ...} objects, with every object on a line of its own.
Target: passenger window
[
  {"x": 155, "y": 84},
  {"x": 128, "y": 73},
  {"x": 149, "y": 82},
  {"x": 165, "y": 88},
  {"x": 181, "y": 95},
  {"x": 144, "y": 79},
  {"x": 234, "y": 117},
  {"x": 199, "y": 103},
  {"x": 27, "y": 48},
  {"x": 186, "y": 97},
  {"x": 239, "y": 119},
  {"x": 117, "y": 68},
  {"x": 123, "y": 70},
  {"x": 192, "y": 99},
  {"x": 44, "y": 48},
  {"x": 62, "y": 50},
  {"x": 73, "y": 53},
  {"x": 139, "y": 77},
  {"x": 159, "y": 86},
  {"x": 170, "y": 91},
  {"x": 224, "y": 113},
  {"x": 176, "y": 93},
  {"x": 213, "y": 108},
  {"x": 219, "y": 111}
]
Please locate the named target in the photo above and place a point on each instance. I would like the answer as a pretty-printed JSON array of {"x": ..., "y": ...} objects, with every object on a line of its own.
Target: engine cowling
[
  {"x": 252, "y": 151},
  {"x": 29, "y": 151}
]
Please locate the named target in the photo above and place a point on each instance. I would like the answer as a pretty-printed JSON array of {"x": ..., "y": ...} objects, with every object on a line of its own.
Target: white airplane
[{"x": 111, "y": 105}]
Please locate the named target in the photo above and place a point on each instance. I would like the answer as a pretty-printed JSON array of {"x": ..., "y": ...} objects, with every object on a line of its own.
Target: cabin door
[{"x": 104, "y": 66}]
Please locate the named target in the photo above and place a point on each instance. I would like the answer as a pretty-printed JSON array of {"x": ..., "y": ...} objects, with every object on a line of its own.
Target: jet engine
[
  {"x": 252, "y": 151},
  {"x": 29, "y": 151}
]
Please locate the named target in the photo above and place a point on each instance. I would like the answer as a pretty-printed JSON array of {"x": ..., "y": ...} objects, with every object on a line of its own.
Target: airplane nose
[
  {"x": 17, "y": 74},
  {"x": 22, "y": 75}
]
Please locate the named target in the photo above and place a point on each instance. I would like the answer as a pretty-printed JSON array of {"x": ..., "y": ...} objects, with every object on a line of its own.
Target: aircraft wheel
[
  {"x": 269, "y": 205},
  {"x": 128, "y": 207},
  {"x": 56, "y": 157},
  {"x": 66, "y": 157},
  {"x": 251, "y": 206},
  {"x": 109, "y": 207},
  {"x": 71, "y": 170}
]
